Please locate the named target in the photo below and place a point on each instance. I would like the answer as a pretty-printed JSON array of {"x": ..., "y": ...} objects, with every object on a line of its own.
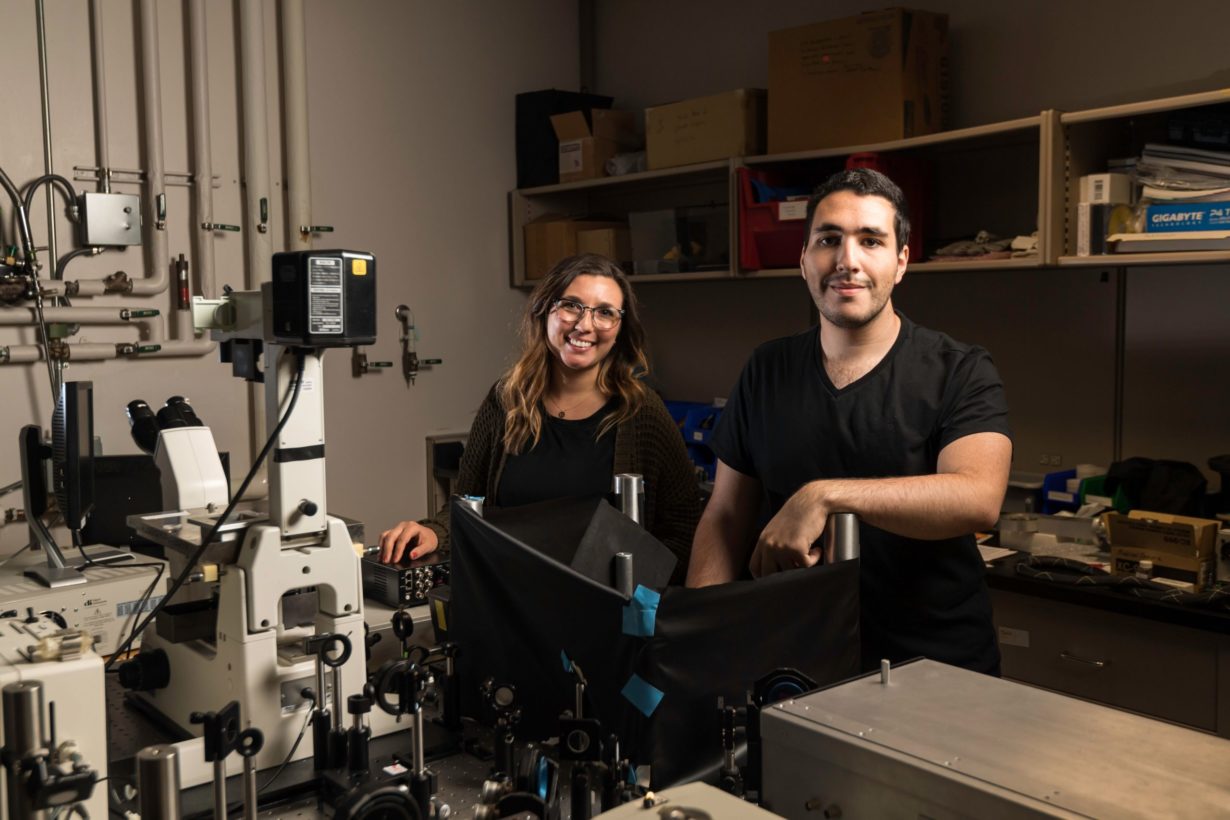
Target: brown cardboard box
[
  {"x": 1181, "y": 548},
  {"x": 872, "y": 78},
  {"x": 584, "y": 149},
  {"x": 550, "y": 238},
  {"x": 613, "y": 243},
  {"x": 705, "y": 129}
]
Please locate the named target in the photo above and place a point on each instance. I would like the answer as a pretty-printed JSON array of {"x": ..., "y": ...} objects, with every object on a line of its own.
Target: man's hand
[
  {"x": 786, "y": 543},
  {"x": 393, "y": 542}
]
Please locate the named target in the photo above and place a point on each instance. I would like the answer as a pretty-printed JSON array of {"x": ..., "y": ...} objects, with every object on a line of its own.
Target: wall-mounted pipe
[
  {"x": 294, "y": 96},
  {"x": 23, "y": 317},
  {"x": 102, "y": 147},
  {"x": 255, "y": 142},
  {"x": 202, "y": 153},
  {"x": 157, "y": 261},
  {"x": 100, "y": 351},
  {"x": 48, "y": 162}
]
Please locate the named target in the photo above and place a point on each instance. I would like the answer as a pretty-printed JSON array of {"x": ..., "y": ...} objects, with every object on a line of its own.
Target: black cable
[
  {"x": 65, "y": 186},
  {"x": 237, "y": 805},
  {"x": 30, "y": 261},
  {"x": 205, "y": 541},
  {"x": 68, "y": 257},
  {"x": 159, "y": 568},
  {"x": 293, "y": 747}
]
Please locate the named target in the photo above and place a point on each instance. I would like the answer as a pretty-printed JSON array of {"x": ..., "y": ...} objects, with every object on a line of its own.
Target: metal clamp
[
  {"x": 218, "y": 226},
  {"x": 315, "y": 229}
]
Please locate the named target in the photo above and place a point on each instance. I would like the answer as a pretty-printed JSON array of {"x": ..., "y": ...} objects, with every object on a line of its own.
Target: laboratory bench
[{"x": 1159, "y": 659}]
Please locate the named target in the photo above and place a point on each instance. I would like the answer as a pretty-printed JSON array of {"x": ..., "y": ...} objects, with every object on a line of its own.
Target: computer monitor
[{"x": 72, "y": 452}]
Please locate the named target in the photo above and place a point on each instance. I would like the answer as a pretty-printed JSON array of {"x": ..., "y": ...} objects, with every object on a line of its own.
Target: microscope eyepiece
[
  {"x": 178, "y": 413},
  {"x": 144, "y": 425}
]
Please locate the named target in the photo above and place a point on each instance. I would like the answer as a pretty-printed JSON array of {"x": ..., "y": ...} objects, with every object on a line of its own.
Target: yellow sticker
[
  {"x": 443, "y": 622},
  {"x": 358, "y": 267}
]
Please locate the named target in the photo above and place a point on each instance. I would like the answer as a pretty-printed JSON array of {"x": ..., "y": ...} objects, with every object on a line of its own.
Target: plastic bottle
[{"x": 1144, "y": 570}]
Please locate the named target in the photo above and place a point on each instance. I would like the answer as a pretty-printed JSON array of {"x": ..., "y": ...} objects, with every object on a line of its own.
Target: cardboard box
[
  {"x": 872, "y": 78},
  {"x": 1181, "y": 548},
  {"x": 550, "y": 238},
  {"x": 705, "y": 129},
  {"x": 1187, "y": 216},
  {"x": 1106, "y": 189},
  {"x": 613, "y": 243},
  {"x": 537, "y": 145},
  {"x": 586, "y": 144}
]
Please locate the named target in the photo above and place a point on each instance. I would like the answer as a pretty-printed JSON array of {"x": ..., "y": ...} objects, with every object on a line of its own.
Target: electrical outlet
[
  {"x": 1044, "y": 460},
  {"x": 1056, "y": 460}
]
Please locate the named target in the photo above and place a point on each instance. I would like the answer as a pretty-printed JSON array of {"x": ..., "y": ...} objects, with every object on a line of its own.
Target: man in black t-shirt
[{"x": 871, "y": 414}]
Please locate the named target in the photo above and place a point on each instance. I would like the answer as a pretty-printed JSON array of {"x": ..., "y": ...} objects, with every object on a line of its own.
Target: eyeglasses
[{"x": 605, "y": 317}]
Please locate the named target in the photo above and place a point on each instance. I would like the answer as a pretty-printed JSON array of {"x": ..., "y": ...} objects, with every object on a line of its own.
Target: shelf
[
  {"x": 920, "y": 267},
  {"x": 942, "y": 138},
  {"x": 1007, "y": 177},
  {"x": 627, "y": 180},
  {"x": 1221, "y": 95},
  {"x": 1116, "y": 260}
]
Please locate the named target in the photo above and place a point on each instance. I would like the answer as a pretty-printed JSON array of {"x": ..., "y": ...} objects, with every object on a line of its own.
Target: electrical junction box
[
  {"x": 110, "y": 219},
  {"x": 322, "y": 299}
]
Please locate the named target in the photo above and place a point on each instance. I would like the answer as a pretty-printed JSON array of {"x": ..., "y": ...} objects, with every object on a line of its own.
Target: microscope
[{"x": 238, "y": 628}]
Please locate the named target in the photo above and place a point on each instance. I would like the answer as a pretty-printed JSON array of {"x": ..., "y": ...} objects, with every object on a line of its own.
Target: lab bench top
[{"x": 1002, "y": 575}]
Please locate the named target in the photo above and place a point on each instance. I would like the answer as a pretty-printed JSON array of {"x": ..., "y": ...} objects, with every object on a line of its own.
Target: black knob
[
  {"x": 358, "y": 704},
  {"x": 308, "y": 508},
  {"x": 146, "y": 672}
]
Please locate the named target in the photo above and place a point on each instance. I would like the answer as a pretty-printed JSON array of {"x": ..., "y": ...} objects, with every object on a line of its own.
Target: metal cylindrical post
[
  {"x": 841, "y": 537},
  {"x": 473, "y": 502},
  {"x": 622, "y": 564},
  {"x": 158, "y": 783},
  {"x": 23, "y": 731},
  {"x": 630, "y": 493}
]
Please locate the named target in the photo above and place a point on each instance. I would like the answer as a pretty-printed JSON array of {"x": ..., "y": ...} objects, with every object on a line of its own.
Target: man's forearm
[{"x": 925, "y": 507}]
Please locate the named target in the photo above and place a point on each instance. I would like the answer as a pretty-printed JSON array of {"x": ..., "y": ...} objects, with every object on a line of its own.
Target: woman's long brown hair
[{"x": 619, "y": 374}]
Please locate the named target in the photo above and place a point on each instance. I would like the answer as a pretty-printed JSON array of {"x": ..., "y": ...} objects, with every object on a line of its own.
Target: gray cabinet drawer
[{"x": 1153, "y": 668}]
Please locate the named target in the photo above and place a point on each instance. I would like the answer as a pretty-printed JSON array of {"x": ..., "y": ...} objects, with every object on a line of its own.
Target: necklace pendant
[{"x": 561, "y": 414}]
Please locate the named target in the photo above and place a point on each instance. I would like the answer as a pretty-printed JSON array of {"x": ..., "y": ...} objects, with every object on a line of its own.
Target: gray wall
[
  {"x": 411, "y": 121},
  {"x": 1051, "y": 332}
]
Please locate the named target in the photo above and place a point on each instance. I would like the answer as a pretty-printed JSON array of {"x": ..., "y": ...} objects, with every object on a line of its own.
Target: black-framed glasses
[{"x": 605, "y": 317}]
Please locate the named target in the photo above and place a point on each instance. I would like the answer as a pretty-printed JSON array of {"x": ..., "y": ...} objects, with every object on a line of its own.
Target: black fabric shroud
[{"x": 516, "y": 606}]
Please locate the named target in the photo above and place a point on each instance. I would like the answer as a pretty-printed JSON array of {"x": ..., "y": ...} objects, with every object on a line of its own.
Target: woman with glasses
[{"x": 571, "y": 413}]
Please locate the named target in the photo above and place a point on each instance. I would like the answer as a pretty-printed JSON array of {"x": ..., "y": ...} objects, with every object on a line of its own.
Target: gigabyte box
[
  {"x": 1181, "y": 548},
  {"x": 705, "y": 129},
  {"x": 1187, "y": 216},
  {"x": 587, "y": 142},
  {"x": 872, "y": 78}
]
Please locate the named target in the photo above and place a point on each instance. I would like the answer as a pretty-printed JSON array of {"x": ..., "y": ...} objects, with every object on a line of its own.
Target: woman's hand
[{"x": 407, "y": 534}]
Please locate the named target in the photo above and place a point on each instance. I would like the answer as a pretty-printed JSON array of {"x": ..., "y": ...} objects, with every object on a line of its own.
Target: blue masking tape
[
  {"x": 563, "y": 656},
  {"x": 641, "y": 694},
  {"x": 640, "y": 614}
]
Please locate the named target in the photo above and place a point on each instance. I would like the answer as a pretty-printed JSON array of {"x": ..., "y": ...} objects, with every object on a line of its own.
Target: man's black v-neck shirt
[{"x": 786, "y": 424}]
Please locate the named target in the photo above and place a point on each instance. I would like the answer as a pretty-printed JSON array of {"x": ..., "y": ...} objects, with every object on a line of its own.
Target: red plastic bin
[
  {"x": 911, "y": 177},
  {"x": 765, "y": 239}
]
